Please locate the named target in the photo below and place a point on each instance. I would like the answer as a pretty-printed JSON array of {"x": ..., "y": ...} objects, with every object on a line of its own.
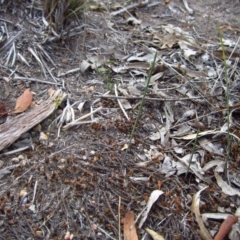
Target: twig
[
  {"x": 45, "y": 65},
  {"x": 126, "y": 9},
  {"x": 77, "y": 121},
  {"x": 34, "y": 191},
  {"x": 190, "y": 11},
  {"x": 119, "y": 218},
  {"x": 46, "y": 54},
  {"x": 107, "y": 234},
  {"x": 38, "y": 60},
  {"x": 226, "y": 87},
  {"x": 10, "y": 41},
  {"x": 155, "y": 99},
  {"x": 34, "y": 80},
  {"x": 15, "y": 151},
  {"x": 119, "y": 102},
  {"x": 110, "y": 208},
  {"x": 7, "y": 169},
  {"x": 22, "y": 59},
  {"x": 69, "y": 72}
]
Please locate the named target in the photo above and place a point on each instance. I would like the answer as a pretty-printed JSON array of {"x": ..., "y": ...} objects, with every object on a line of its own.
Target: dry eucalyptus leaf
[
  {"x": 205, "y": 235},
  {"x": 194, "y": 135},
  {"x": 129, "y": 230},
  {"x": 154, "y": 235},
  {"x": 227, "y": 189},
  {"x": 23, "y": 102},
  {"x": 152, "y": 199}
]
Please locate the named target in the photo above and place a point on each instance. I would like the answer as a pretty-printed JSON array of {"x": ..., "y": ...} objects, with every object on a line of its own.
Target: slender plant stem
[
  {"x": 227, "y": 101},
  {"x": 141, "y": 105},
  {"x": 193, "y": 151}
]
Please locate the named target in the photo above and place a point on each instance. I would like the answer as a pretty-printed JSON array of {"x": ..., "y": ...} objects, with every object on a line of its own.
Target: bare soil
[{"x": 81, "y": 181}]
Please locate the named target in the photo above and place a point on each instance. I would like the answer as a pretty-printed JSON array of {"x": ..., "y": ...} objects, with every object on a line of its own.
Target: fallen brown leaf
[
  {"x": 129, "y": 230},
  {"x": 167, "y": 1},
  {"x": 23, "y": 102},
  {"x": 226, "y": 227}
]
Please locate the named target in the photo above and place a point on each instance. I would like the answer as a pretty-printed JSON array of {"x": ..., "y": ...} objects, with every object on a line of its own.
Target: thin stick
[
  {"x": 35, "y": 80},
  {"x": 155, "y": 99},
  {"x": 190, "y": 11},
  {"x": 119, "y": 102},
  {"x": 126, "y": 9},
  {"x": 38, "y": 60},
  {"x": 119, "y": 218},
  {"x": 81, "y": 118},
  {"x": 34, "y": 191},
  {"x": 227, "y": 103}
]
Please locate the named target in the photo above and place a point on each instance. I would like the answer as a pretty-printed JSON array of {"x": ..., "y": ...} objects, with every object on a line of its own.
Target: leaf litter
[{"x": 104, "y": 64}]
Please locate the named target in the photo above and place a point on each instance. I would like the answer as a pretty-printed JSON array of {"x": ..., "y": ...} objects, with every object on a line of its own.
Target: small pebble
[
  {"x": 43, "y": 136},
  {"x": 15, "y": 160},
  {"x": 38, "y": 128},
  {"x": 23, "y": 163},
  {"x": 20, "y": 157},
  {"x": 51, "y": 144}
]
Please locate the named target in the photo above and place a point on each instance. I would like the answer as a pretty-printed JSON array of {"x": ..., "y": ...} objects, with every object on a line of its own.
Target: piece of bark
[{"x": 17, "y": 125}]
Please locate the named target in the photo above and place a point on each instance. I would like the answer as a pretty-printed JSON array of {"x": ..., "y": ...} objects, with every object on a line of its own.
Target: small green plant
[
  {"x": 105, "y": 73},
  {"x": 57, "y": 101},
  {"x": 142, "y": 103},
  {"x": 109, "y": 82}
]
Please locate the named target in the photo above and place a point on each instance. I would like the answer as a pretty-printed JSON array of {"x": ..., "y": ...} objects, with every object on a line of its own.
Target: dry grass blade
[
  {"x": 38, "y": 60},
  {"x": 57, "y": 13},
  {"x": 9, "y": 43}
]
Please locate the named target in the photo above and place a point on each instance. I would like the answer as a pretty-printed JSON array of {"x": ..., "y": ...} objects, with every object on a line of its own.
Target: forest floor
[{"x": 83, "y": 179}]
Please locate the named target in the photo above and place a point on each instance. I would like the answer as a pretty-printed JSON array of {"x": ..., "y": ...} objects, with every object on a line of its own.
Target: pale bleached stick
[
  {"x": 119, "y": 102},
  {"x": 75, "y": 122},
  {"x": 190, "y": 11}
]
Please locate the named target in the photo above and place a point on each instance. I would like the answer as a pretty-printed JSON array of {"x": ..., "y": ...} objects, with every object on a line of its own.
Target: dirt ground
[{"x": 84, "y": 181}]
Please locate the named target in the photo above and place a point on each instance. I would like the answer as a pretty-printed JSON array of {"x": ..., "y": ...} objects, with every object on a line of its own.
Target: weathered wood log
[{"x": 19, "y": 124}]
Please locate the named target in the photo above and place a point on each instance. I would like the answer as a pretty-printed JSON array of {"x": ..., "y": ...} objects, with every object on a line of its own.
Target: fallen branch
[{"x": 16, "y": 126}]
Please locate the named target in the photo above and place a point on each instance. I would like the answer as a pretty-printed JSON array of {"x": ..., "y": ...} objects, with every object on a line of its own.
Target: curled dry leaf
[
  {"x": 23, "y": 102},
  {"x": 195, "y": 209},
  {"x": 129, "y": 229},
  {"x": 152, "y": 199},
  {"x": 227, "y": 189}
]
